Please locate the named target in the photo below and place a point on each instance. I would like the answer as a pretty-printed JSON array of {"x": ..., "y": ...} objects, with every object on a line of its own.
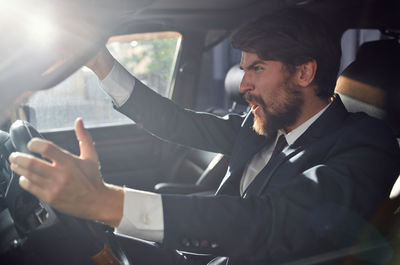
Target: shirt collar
[{"x": 298, "y": 131}]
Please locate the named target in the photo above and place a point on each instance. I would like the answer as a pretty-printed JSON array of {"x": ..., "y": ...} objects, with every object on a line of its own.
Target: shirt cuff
[
  {"x": 118, "y": 84},
  {"x": 143, "y": 215}
]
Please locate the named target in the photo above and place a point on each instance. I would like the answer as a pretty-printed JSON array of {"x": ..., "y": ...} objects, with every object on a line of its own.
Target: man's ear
[{"x": 306, "y": 73}]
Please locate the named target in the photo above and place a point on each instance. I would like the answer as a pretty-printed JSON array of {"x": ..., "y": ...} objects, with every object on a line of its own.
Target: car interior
[{"x": 179, "y": 48}]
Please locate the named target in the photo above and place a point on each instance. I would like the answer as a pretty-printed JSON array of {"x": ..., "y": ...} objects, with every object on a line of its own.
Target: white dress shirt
[
  {"x": 259, "y": 160},
  {"x": 143, "y": 211}
]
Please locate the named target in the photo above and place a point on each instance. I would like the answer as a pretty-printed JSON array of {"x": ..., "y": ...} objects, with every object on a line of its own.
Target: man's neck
[{"x": 310, "y": 108}]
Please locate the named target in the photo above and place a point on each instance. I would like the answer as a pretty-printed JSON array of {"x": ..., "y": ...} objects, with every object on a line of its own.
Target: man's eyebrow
[{"x": 252, "y": 65}]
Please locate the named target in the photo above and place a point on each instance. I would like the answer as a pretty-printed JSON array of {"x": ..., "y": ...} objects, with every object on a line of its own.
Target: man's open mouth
[
  {"x": 255, "y": 108},
  {"x": 255, "y": 103}
]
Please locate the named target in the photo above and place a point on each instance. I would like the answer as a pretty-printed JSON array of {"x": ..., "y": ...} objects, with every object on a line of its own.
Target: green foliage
[{"x": 149, "y": 60}]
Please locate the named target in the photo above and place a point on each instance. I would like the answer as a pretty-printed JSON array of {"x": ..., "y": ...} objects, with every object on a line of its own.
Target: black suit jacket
[{"x": 318, "y": 196}]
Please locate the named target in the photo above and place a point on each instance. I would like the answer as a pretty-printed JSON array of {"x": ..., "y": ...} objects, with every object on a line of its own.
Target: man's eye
[{"x": 257, "y": 68}]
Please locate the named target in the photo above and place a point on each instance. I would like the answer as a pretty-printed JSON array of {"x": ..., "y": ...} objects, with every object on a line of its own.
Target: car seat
[{"x": 371, "y": 84}]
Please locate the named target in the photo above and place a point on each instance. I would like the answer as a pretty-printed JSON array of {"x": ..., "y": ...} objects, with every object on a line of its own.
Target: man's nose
[{"x": 245, "y": 84}]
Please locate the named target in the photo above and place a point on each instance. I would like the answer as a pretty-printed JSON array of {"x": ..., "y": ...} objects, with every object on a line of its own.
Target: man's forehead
[
  {"x": 249, "y": 59},
  {"x": 249, "y": 56}
]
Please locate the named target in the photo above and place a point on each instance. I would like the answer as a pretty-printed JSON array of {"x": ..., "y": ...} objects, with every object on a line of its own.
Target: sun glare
[
  {"x": 33, "y": 21},
  {"x": 40, "y": 29}
]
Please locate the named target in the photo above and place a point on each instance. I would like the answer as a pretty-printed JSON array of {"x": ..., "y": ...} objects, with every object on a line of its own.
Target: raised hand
[{"x": 72, "y": 184}]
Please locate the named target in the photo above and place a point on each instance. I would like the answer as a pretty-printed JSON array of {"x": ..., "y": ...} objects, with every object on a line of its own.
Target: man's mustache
[{"x": 254, "y": 99}]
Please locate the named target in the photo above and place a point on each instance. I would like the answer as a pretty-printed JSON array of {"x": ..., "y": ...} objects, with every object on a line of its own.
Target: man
[{"x": 305, "y": 175}]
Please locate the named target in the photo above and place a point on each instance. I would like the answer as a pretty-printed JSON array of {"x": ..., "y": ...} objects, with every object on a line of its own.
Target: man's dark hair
[{"x": 294, "y": 37}]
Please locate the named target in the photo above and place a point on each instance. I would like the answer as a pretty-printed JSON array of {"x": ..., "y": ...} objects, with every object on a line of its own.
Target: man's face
[{"x": 272, "y": 93}]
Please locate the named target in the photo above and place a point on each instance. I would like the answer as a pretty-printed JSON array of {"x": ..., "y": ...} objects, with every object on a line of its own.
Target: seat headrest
[
  {"x": 377, "y": 64},
  {"x": 374, "y": 78},
  {"x": 232, "y": 83}
]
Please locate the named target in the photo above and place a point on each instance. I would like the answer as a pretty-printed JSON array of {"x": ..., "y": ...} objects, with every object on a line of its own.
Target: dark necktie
[
  {"x": 280, "y": 144},
  {"x": 265, "y": 174}
]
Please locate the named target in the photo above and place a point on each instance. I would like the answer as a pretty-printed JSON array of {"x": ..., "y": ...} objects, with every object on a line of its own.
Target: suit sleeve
[
  {"x": 166, "y": 120},
  {"x": 325, "y": 206}
]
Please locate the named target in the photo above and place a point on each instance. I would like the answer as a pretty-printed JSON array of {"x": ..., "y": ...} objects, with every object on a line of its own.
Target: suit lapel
[
  {"x": 263, "y": 178},
  {"x": 248, "y": 144},
  {"x": 329, "y": 121}
]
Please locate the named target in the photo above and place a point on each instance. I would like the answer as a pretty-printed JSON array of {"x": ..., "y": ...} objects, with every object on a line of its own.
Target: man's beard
[{"x": 284, "y": 117}]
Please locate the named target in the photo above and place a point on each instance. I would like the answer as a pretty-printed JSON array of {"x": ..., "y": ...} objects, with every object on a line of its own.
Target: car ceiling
[
  {"x": 225, "y": 13},
  {"x": 85, "y": 25}
]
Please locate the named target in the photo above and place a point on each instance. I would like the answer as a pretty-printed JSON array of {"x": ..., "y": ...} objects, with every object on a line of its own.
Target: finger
[
  {"x": 32, "y": 177},
  {"x": 85, "y": 141},
  {"x": 31, "y": 163},
  {"x": 48, "y": 150},
  {"x": 33, "y": 188}
]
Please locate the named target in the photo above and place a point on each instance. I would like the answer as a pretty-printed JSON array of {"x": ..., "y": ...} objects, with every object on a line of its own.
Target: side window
[
  {"x": 351, "y": 40},
  {"x": 151, "y": 57}
]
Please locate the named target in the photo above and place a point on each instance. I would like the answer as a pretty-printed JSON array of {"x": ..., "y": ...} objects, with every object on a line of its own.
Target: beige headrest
[{"x": 361, "y": 91}]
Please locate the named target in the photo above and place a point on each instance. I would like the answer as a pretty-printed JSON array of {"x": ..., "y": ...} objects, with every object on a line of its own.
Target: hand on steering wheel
[{"x": 69, "y": 183}]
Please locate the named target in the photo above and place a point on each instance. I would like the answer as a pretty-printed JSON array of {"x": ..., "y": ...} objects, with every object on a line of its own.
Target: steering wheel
[{"x": 36, "y": 222}]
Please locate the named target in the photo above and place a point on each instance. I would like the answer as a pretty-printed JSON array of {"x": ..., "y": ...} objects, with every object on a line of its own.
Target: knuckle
[
  {"x": 28, "y": 175},
  {"x": 29, "y": 163},
  {"x": 48, "y": 147},
  {"x": 27, "y": 185}
]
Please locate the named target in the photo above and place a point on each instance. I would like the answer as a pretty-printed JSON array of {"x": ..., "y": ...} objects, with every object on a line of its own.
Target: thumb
[{"x": 85, "y": 141}]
